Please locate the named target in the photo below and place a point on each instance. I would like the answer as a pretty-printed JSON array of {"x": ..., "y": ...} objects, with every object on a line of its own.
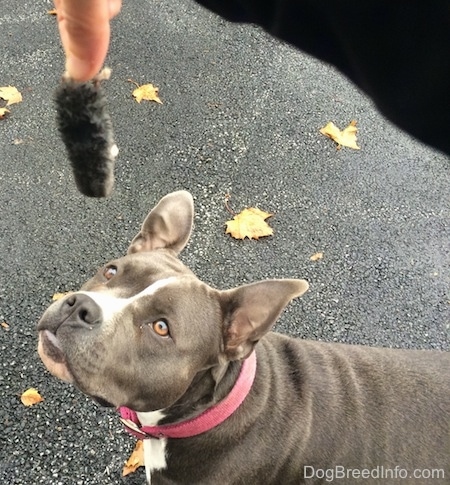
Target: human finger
[{"x": 85, "y": 32}]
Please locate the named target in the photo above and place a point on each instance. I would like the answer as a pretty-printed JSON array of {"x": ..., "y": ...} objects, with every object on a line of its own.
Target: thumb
[{"x": 85, "y": 32}]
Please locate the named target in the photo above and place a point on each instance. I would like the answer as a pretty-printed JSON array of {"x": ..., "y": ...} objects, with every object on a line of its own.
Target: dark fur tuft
[{"x": 87, "y": 133}]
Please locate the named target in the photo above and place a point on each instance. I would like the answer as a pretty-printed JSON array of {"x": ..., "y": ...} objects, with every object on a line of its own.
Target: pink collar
[{"x": 207, "y": 420}]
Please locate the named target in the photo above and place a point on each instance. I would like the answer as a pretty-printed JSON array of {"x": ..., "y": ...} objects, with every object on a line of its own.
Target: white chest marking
[{"x": 154, "y": 449}]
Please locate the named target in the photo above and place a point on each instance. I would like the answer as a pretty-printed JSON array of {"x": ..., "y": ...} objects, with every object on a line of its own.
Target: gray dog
[{"x": 219, "y": 399}]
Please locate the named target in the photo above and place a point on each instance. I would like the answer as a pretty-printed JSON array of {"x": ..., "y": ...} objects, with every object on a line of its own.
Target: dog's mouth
[
  {"x": 52, "y": 355},
  {"x": 52, "y": 346}
]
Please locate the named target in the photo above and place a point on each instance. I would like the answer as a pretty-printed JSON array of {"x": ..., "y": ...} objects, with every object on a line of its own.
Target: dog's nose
[
  {"x": 77, "y": 310},
  {"x": 82, "y": 309}
]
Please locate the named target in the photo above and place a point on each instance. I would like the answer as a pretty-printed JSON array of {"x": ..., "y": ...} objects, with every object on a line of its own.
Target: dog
[{"x": 220, "y": 399}]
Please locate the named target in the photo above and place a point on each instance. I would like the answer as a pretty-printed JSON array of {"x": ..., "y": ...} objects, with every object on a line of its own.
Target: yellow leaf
[
  {"x": 58, "y": 296},
  {"x": 10, "y": 94},
  {"x": 4, "y": 325},
  {"x": 147, "y": 92},
  {"x": 52, "y": 12},
  {"x": 3, "y": 112},
  {"x": 346, "y": 137},
  {"x": 249, "y": 223},
  {"x": 316, "y": 256},
  {"x": 136, "y": 459},
  {"x": 31, "y": 397}
]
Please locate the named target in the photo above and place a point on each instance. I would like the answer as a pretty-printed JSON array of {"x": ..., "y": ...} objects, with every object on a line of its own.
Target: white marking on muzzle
[{"x": 111, "y": 305}]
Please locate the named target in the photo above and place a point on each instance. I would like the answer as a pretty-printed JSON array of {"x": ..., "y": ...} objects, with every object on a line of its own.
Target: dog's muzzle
[{"x": 75, "y": 311}]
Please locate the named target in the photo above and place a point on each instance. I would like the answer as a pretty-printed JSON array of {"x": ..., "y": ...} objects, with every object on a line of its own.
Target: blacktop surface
[{"x": 241, "y": 115}]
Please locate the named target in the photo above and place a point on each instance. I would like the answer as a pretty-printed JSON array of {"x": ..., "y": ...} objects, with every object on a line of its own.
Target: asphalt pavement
[{"x": 241, "y": 115}]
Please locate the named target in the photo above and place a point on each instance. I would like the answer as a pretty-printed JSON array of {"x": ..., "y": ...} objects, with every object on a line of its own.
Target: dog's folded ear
[
  {"x": 167, "y": 226},
  {"x": 250, "y": 311}
]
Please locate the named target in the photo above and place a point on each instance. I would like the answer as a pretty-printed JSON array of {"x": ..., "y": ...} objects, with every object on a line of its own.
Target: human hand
[{"x": 85, "y": 32}]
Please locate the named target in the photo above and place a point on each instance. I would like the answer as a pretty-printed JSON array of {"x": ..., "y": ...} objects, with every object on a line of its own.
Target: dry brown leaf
[
  {"x": 136, "y": 459},
  {"x": 58, "y": 296},
  {"x": 31, "y": 397},
  {"x": 10, "y": 94},
  {"x": 346, "y": 137},
  {"x": 4, "y": 325},
  {"x": 52, "y": 12},
  {"x": 4, "y": 112},
  {"x": 147, "y": 92},
  {"x": 316, "y": 256},
  {"x": 249, "y": 223}
]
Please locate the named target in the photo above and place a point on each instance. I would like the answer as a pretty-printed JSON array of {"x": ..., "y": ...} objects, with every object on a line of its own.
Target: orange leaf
[
  {"x": 249, "y": 223},
  {"x": 10, "y": 94},
  {"x": 316, "y": 256},
  {"x": 346, "y": 137},
  {"x": 52, "y": 12},
  {"x": 3, "y": 112},
  {"x": 136, "y": 459},
  {"x": 147, "y": 92},
  {"x": 31, "y": 397},
  {"x": 4, "y": 325}
]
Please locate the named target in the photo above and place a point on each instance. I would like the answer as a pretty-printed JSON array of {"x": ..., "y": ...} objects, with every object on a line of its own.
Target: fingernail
[{"x": 79, "y": 69}]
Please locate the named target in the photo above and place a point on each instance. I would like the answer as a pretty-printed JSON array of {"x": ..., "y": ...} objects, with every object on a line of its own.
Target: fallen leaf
[
  {"x": 346, "y": 137},
  {"x": 136, "y": 459},
  {"x": 31, "y": 397},
  {"x": 3, "y": 112},
  {"x": 249, "y": 223},
  {"x": 316, "y": 256},
  {"x": 58, "y": 296},
  {"x": 147, "y": 92},
  {"x": 4, "y": 325},
  {"x": 10, "y": 94},
  {"x": 52, "y": 11}
]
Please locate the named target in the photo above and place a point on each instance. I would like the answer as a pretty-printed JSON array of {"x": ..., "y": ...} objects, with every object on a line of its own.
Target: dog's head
[{"x": 144, "y": 326}]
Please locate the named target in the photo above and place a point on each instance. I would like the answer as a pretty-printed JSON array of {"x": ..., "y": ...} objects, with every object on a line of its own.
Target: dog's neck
[
  {"x": 209, "y": 410},
  {"x": 208, "y": 387}
]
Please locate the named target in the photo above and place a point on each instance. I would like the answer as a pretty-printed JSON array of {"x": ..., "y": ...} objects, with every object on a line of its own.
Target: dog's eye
[
  {"x": 161, "y": 328},
  {"x": 109, "y": 272}
]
